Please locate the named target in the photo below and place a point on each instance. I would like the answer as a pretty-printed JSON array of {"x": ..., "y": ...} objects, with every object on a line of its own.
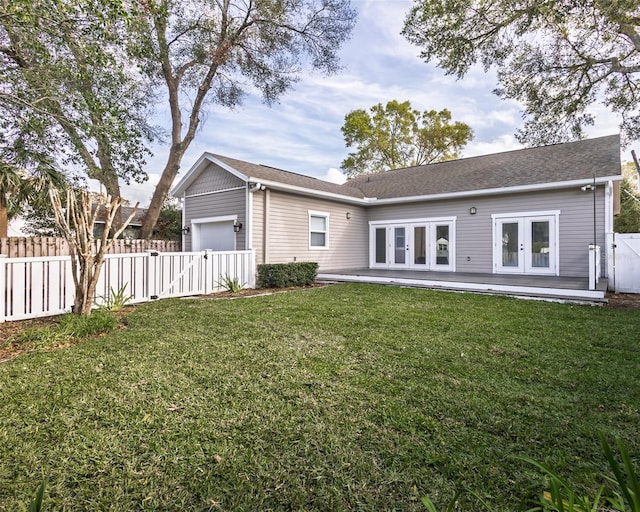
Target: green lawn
[{"x": 350, "y": 397}]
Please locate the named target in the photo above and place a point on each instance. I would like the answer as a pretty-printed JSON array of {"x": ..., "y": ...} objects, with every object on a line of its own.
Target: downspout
[
  {"x": 609, "y": 235},
  {"x": 265, "y": 223},
  {"x": 248, "y": 244}
]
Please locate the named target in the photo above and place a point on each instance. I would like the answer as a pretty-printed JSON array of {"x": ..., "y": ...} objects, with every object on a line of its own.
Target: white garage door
[{"x": 216, "y": 236}]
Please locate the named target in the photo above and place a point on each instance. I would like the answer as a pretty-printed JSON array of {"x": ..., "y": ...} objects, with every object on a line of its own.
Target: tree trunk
[
  {"x": 161, "y": 191},
  {"x": 4, "y": 217}
]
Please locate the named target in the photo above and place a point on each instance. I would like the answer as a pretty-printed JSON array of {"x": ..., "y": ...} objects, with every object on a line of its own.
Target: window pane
[
  {"x": 442, "y": 245},
  {"x": 318, "y": 239},
  {"x": 318, "y": 223},
  {"x": 381, "y": 245}
]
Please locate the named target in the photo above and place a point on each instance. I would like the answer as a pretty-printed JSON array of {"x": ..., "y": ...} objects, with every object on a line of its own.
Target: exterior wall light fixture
[
  {"x": 237, "y": 226},
  {"x": 473, "y": 210},
  {"x": 186, "y": 230}
]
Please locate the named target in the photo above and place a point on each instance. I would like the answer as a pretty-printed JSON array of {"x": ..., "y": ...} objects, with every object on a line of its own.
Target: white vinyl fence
[
  {"x": 626, "y": 271},
  {"x": 36, "y": 287}
]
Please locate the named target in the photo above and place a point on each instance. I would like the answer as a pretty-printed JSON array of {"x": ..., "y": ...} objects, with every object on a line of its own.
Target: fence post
[
  {"x": 3, "y": 287},
  {"x": 207, "y": 272},
  {"x": 594, "y": 266},
  {"x": 252, "y": 269}
]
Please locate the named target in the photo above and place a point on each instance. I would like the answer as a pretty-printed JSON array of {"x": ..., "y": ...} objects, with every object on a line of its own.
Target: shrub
[
  {"x": 115, "y": 300},
  {"x": 77, "y": 326},
  {"x": 231, "y": 284},
  {"x": 281, "y": 275}
]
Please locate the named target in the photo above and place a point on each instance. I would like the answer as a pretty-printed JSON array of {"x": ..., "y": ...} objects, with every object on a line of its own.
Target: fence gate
[
  {"x": 175, "y": 274},
  {"x": 627, "y": 262}
]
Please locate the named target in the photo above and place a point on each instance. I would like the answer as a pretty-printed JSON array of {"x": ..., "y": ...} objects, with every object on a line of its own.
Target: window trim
[{"x": 325, "y": 215}]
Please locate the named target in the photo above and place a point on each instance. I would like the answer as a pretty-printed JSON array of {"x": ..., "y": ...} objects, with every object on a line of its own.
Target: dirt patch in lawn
[
  {"x": 623, "y": 300},
  {"x": 256, "y": 292}
]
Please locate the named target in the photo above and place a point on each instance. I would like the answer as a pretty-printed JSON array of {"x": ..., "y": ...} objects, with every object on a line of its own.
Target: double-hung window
[{"x": 318, "y": 230}]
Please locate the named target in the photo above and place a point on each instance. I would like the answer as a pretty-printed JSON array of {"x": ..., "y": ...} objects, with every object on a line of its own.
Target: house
[
  {"x": 131, "y": 232},
  {"x": 530, "y": 212}
]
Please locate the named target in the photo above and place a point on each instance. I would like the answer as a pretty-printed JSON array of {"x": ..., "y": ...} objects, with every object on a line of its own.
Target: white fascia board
[
  {"x": 496, "y": 191},
  {"x": 199, "y": 166},
  {"x": 275, "y": 185}
]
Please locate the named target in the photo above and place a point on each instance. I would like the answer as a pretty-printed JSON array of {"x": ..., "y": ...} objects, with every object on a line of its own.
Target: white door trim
[
  {"x": 524, "y": 220},
  {"x": 409, "y": 225}
]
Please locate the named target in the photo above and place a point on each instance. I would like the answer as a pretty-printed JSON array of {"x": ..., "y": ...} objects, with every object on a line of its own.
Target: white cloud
[
  {"x": 333, "y": 175},
  {"x": 302, "y": 132},
  {"x": 497, "y": 145}
]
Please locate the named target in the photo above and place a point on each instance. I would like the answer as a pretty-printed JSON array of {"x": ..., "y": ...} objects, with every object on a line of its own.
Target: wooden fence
[
  {"x": 35, "y": 247},
  {"x": 36, "y": 287}
]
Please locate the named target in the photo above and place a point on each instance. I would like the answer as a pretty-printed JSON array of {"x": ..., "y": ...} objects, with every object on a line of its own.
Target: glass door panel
[
  {"x": 539, "y": 246},
  {"x": 420, "y": 246},
  {"x": 510, "y": 244},
  {"x": 381, "y": 246},
  {"x": 399, "y": 245},
  {"x": 442, "y": 245}
]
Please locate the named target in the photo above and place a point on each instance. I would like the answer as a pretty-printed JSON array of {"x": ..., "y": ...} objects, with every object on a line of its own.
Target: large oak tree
[
  {"x": 395, "y": 136},
  {"x": 221, "y": 50},
  {"x": 69, "y": 93},
  {"x": 77, "y": 76},
  {"x": 556, "y": 57}
]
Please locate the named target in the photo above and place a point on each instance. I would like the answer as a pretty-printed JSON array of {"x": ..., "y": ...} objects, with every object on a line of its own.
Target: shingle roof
[
  {"x": 571, "y": 161},
  {"x": 125, "y": 211},
  {"x": 264, "y": 172}
]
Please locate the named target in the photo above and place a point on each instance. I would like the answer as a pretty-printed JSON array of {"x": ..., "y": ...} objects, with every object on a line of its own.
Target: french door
[
  {"x": 423, "y": 245},
  {"x": 526, "y": 244}
]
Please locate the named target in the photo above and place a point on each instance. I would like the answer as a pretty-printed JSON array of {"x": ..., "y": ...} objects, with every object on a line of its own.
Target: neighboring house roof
[
  {"x": 125, "y": 211},
  {"x": 532, "y": 168}
]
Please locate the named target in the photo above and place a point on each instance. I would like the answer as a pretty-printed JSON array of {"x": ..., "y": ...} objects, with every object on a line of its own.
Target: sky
[{"x": 302, "y": 133}]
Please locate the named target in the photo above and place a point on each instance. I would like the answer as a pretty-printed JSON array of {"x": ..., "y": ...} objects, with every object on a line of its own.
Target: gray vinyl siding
[
  {"x": 474, "y": 233},
  {"x": 288, "y": 232},
  {"x": 212, "y": 179},
  {"x": 257, "y": 221},
  {"x": 230, "y": 202}
]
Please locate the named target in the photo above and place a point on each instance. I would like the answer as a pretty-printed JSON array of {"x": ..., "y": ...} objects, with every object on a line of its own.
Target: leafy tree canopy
[
  {"x": 169, "y": 225},
  {"x": 628, "y": 220},
  {"x": 396, "y": 136},
  {"x": 78, "y": 77},
  {"x": 556, "y": 57},
  {"x": 199, "y": 50},
  {"x": 69, "y": 95},
  {"x": 22, "y": 189}
]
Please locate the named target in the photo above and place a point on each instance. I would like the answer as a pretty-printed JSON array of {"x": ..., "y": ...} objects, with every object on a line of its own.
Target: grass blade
[
  {"x": 615, "y": 467},
  {"x": 36, "y": 504}
]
